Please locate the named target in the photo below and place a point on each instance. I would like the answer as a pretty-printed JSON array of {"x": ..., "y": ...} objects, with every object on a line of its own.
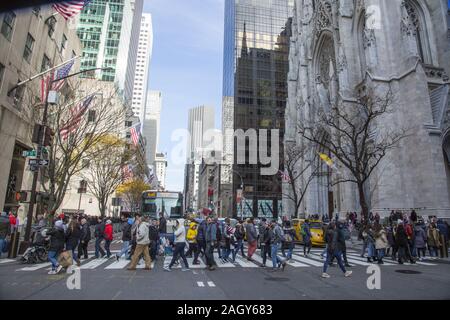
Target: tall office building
[
  {"x": 109, "y": 32},
  {"x": 160, "y": 164},
  {"x": 151, "y": 125},
  {"x": 201, "y": 119},
  {"x": 256, "y": 49},
  {"x": 144, "y": 55}
]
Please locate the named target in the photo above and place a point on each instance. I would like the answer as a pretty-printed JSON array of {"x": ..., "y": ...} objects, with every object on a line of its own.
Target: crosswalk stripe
[
  {"x": 36, "y": 267},
  {"x": 200, "y": 283},
  {"x": 94, "y": 263},
  {"x": 6, "y": 260},
  {"x": 308, "y": 261},
  {"x": 296, "y": 264},
  {"x": 142, "y": 265},
  {"x": 245, "y": 264},
  {"x": 221, "y": 264},
  {"x": 359, "y": 258},
  {"x": 211, "y": 284},
  {"x": 118, "y": 264}
]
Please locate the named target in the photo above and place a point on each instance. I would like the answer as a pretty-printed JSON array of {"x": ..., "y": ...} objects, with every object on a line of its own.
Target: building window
[
  {"x": 51, "y": 26},
  {"x": 8, "y": 24},
  {"x": 28, "y": 48},
  {"x": 18, "y": 95},
  {"x": 63, "y": 43},
  {"x": 128, "y": 124},
  {"x": 91, "y": 116},
  {"x": 45, "y": 63},
  {"x": 2, "y": 72}
]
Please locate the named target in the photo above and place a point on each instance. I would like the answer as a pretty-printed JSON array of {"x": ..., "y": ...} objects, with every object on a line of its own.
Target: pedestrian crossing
[{"x": 313, "y": 259}]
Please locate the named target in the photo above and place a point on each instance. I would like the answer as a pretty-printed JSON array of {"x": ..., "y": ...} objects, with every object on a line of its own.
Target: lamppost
[
  {"x": 242, "y": 193},
  {"x": 41, "y": 140}
]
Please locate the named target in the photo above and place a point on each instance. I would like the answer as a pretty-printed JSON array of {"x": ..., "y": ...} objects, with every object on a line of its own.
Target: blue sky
[{"x": 186, "y": 66}]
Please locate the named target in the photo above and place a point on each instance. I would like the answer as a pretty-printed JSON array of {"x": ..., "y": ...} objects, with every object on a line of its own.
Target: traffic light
[
  {"x": 37, "y": 133},
  {"x": 22, "y": 196},
  {"x": 49, "y": 136}
]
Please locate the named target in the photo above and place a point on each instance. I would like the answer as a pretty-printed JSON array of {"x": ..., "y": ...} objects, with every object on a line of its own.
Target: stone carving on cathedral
[
  {"x": 324, "y": 96},
  {"x": 409, "y": 26},
  {"x": 307, "y": 11}
]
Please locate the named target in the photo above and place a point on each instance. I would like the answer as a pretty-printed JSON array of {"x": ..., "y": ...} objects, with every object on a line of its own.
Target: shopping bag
[{"x": 65, "y": 259}]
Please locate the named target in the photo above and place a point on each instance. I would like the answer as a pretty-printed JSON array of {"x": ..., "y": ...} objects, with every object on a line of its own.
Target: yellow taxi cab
[{"x": 316, "y": 229}]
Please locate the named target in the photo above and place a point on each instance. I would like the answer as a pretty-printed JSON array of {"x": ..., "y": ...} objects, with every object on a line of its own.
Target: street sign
[
  {"x": 31, "y": 153},
  {"x": 33, "y": 168},
  {"x": 33, "y": 162},
  {"x": 44, "y": 162}
]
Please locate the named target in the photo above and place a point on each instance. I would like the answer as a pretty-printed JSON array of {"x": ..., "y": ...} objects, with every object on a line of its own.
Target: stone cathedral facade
[{"x": 341, "y": 46}]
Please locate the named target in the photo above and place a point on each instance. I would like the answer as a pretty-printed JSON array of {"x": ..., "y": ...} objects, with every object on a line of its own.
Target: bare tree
[
  {"x": 69, "y": 155},
  {"x": 354, "y": 134},
  {"x": 131, "y": 191},
  {"x": 299, "y": 163},
  {"x": 104, "y": 175}
]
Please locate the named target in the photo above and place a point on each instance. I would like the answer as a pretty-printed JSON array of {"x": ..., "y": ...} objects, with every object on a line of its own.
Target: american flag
[
  {"x": 285, "y": 176},
  {"x": 127, "y": 172},
  {"x": 77, "y": 114},
  {"x": 68, "y": 9},
  {"x": 52, "y": 82},
  {"x": 135, "y": 133}
]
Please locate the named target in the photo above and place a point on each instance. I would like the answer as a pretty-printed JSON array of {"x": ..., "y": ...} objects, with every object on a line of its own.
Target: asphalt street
[{"x": 107, "y": 280}]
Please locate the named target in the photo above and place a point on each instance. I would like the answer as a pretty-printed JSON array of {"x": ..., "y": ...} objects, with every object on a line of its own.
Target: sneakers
[
  {"x": 167, "y": 269},
  {"x": 348, "y": 265},
  {"x": 283, "y": 265},
  {"x": 348, "y": 273},
  {"x": 52, "y": 272},
  {"x": 325, "y": 275},
  {"x": 78, "y": 263},
  {"x": 196, "y": 262},
  {"x": 263, "y": 266},
  {"x": 58, "y": 269},
  {"x": 212, "y": 268}
]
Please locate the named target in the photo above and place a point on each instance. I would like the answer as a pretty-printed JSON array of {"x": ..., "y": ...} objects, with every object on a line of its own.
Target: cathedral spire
[{"x": 244, "y": 49}]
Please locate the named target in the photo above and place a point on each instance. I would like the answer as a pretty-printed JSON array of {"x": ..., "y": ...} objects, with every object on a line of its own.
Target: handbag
[{"x": 65, "y": 259}]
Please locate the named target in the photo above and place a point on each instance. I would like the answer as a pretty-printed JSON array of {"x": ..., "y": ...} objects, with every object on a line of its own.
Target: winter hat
[
  {"x": 130, "y": 221},
  {"x": 59, "y": 225},
  {"x": 108, "y": 222}
]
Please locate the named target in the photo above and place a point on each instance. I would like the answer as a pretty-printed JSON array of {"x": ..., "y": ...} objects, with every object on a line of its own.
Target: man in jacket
[
  {"x": 108, "y": 237},
  {"x": 125, "y": 228},
  {"x": 57, "y": 239},
  {"x": 99, "y": 237},
  {"x": 142, "y": 242},
  {"x": 211, "y": 239},
  {"x": 264, "y": 237},
  {"x": 201, "y": 240},
  {"x": 5, "y": 231},
  {"x": 252, "y": 237},
  {"x": 401, "y": 239},
  {"x": 334, "y": 239},
  {"x": 306, "y": 234},
  {"x": 180, "y": 243},
  {"x": 153, "y": 235},
  {"x": 85, "y": 237},
  {"x": 276, "y": 237}
]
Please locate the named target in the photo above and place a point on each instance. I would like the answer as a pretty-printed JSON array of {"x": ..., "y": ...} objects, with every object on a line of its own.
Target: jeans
[
  {"x": 433, "y": 251},
  {"x": 371, "y": 250},
  {"x": 381, "y": 253},
  {"x": 179, "y": 251},
  {"x": 74, "y": 254},
  {"x": 209, "y": 254},
  {"x": 239, "y": 246},
  {"x": 421, "y": 250},
  {"x": 290, "y": 250},
  {"x": 307, "y": 245},
  {"x": 275, "y": 258},
  {"x": 124, "y": 250},
  {"x": 338, "y": 256},
  {"x": 98, "y": 247},
  {"x": 107, "y": 244},
  {"x": 363, "y": 251},
  {"x": 2, "y": 245},
  {"x": 264, "y": 252},
  {"x": 53, "y": 258}
]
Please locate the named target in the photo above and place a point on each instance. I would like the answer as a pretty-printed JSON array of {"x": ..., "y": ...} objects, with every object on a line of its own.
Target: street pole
[{"x": 79, "y": 204}]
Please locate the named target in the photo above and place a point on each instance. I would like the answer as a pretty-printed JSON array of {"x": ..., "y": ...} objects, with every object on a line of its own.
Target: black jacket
[
  {"x": 126, "y": 231},
  {"x": 401, "y": 238},
  {"x": 85, "y": 233},
  {"x": 72, "y": 237},
  {"x": 57, "y": 239},
  {"x": 162, "y": 225},
  {"x": 100, "y": 230}
]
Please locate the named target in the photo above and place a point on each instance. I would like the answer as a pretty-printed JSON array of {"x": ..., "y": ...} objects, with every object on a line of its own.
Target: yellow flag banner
[{"x": 326, "y": 159}]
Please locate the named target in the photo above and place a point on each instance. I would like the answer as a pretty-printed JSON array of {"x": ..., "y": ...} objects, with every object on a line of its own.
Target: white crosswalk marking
[
  {"x": 118, "y": 264},
  {"x": 6, "y": 260},
  {"x": 36, "y": 267},
  {"x": 142, "y": 265},
  {"x": 200, "y": 283},
  {"x": 245, "y": 264},
  {"x": 220, "y": 263},
  {"x": 211, "y": 284},
  {"x": 94, "y": 263},
  {"x": 308, "y": 261},
  {"x": 355, "y": 256}
]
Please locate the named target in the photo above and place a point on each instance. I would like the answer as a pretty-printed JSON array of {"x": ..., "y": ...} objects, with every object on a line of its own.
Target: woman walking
[
  {"x": 73, "y": 239},
  {"x": 381, "y": 243}
]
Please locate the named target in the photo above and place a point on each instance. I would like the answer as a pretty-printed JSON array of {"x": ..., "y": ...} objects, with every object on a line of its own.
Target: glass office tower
[{"x": 256, "y": 51}]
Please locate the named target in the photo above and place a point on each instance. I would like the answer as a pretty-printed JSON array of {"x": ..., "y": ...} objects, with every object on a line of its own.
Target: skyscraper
[
  {"x": 151, "y": 122},
  {"x": 256, "y": 48},
  {"x": 109, "y": 32},
  {"x": 144, "y": 55},
  {"x": 160, "y": 164},
  {"x": 201, "y": 119}
]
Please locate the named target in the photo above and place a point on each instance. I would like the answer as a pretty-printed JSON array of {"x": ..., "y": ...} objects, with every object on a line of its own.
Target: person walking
[
  {"x": 370, "y": 240},
  {"x": 420, "y": 241},
  {"x": 381, "y": 242},
  {"x": 401, "y": 239},
  {"x": 211, "y": 239},
  {"x": 276, "y": 238},
  {"x": 85, "y": 237},
  {"x": 201, "y": 241},
  {"x": 5, "y": 232},
  {"x": 142, "y": 242},
  {"x": 434, "y": 240},
  {"x": 228, "y": 235},
  {"x": 73, "y": 237},
  {"x": 239, "y": 234},
  {"x": 126, "y": 237},
  {"x": 99, "y": 233},
  {"x": 180, "y": 243},
  {"x": 251, "y": 238},
  {"x": 265, "y": 236},
  {"x": 391, "y": 242},
  {"x": 153, "y": 235},
  {"x": 191, "y": 238},
  {"x": 289, "y": 239},
  {"x": 306, "y": 234},
  {"x": 57, "y": 239},
  {"x": 108, "y": 237},
  {"x": 334, "y": 239}
]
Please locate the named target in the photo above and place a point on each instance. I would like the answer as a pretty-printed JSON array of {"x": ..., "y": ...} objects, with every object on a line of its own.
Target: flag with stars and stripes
[
  {"x": 77, "y": 113},
  {"x": 54, "y": 80},
  {"x": 68, "y": 9},
  {"x": 135, "y": 133}
]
